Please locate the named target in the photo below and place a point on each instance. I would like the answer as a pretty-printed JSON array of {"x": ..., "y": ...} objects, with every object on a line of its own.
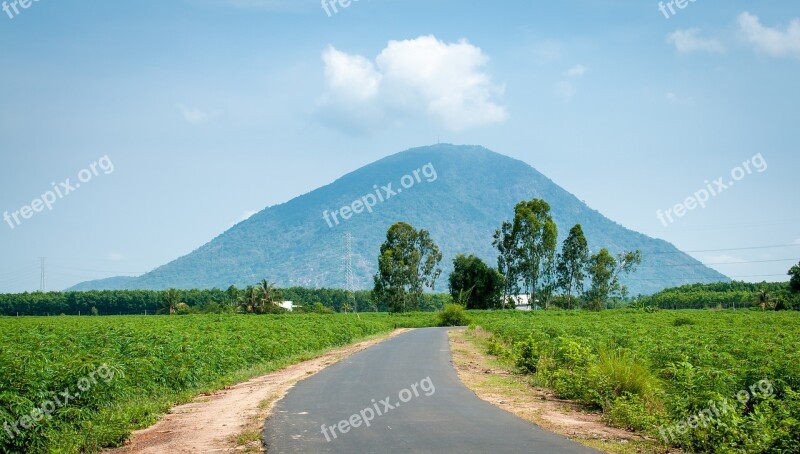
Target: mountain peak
[{"x": 460, "y": 193}]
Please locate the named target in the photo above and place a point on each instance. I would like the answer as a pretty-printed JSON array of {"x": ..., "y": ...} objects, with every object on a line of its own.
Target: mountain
[
  {"x": 111, "y": 283},
  {"x": 461, "y": 194}
]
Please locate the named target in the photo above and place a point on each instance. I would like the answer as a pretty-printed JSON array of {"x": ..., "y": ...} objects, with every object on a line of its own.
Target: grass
[
  {"x": 158, "y": 362},
  {"x": 648, "y": 370}
]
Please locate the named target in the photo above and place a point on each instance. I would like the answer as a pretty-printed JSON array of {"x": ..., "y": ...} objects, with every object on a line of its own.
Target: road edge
[{"x": 488, "y": 379}]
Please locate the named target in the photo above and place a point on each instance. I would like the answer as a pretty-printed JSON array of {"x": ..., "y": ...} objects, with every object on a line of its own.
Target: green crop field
[
  {"x": 706, "y": 381},
  {"x": 76, "y": 384}
]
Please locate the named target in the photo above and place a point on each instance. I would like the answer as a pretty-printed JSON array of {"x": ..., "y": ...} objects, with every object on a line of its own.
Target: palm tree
[
  {"x": 249, "y": 300},
  {"x": 269, "y": 296},
  {"x": 233, "y": 295},
  {"x": 171, "y": 300},
  {"x": 764, "y": 300}
]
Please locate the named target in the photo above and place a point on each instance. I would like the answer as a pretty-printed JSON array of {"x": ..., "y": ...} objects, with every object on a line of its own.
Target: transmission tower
[
  {"x": 349, "y": 278},
  {"x": 41, "y": 282}
]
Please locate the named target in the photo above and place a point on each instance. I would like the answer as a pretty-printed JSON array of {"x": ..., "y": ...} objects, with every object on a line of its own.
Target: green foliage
[
  {"x": 484, "y": 284},
  {"x": 137, "y": 302},
  {"x": 571, "y": 264},
  {"x": 505, "y": 241},
  {"x": 157, "y": 361},
  {"x": 644, "y": 373},
  {"x": 453, "y": 315},
  {"x": 534, "y": 235},
  {"x": 172, "y": 298},
  {"x": 683, "y": 321},
  {"x": 737, "y": 294},
  {"x": 629, "y": 412},
  {"x": 794, "y": 280},
  {"x": 407, "y": 265},
  {"x": 319, "y": 308},
  {"x": 623, "y": 374},
  {"x": 107, "y": 302},
  {"x": 601, "y": 271},
  {"x": 605, "y": 271}
]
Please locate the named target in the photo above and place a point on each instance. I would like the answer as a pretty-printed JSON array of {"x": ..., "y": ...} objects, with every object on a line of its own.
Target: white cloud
[
  {"x": 566, "y": 91},
  {"x": 797, "y": 241},
  {"x": 773, "y": 41},
  {"x": 689, "y": 41},
  {"x": 422, "y": 76},
  {"x": 678, "y": 99},
  {"x": 546, "y": 52},
  {"x": 576, "y": 71},
  {"x": 115, "y": 257},
  {"x": 351, "y": 76},
  {"x": 195, "y": 116}
]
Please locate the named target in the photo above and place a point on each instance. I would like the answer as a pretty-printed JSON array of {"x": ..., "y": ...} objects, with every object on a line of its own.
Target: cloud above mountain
[
  {"x": 687, "y": 41},
  {"x": 422, "y": 78},
  {"x": 772, "y": 41}
]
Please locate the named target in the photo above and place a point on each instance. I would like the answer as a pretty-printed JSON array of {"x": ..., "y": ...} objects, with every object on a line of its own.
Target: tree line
[
  {"x": 528, "y": 264},
  {"x": 251, "y": 299},
  {"x": 729, "y": 295}
]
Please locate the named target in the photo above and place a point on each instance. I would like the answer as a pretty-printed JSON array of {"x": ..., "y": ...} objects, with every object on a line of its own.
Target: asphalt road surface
[{"x": 402, "y": 395}]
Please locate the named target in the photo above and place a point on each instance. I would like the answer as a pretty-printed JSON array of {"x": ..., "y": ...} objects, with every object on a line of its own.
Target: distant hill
[
  {"x": 111, "y": 283},
  {"x": 474, "y": 190}
]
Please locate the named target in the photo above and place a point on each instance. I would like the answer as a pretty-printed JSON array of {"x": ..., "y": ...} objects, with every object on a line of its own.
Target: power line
[
  {"x": 97, "y": 271},
  {"x": 718, "y": 263},
  {"x": 723, "y": 250},
  {"x": 41, "y": 285}
]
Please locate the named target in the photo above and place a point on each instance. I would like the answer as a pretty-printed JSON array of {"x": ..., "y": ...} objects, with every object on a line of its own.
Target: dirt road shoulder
[
  {"x": 231, "y": 420},
  {"x": 496, "y": 384}
]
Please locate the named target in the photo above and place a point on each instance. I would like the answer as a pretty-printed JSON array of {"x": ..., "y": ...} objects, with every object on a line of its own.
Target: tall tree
[
  {"x": 250, "y": 299},
  {"x": 172, "y": 298},
  {"x": 605, "y": 271},
  {"x": 232, "y": 295},
  {"x": 478, "y": 284},
  {"x": 269, "y": 297},
  {"x": 570, "y": 270},
  {"x": 600, "y": 269},
  {"x": 764, "y": 300},
  {"x": 537, "y": 236},
  {"x": 794, "y": 281},
  {"x": 407, "y": 265},
  {"x": 505, "y": 240}
]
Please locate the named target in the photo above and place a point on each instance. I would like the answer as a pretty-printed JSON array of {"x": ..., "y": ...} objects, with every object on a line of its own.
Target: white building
[{"x": 523, "y": 303}]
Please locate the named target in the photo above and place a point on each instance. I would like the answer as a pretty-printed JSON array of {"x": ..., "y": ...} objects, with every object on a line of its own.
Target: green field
[
  {"x": 130, "y": 369},
  {"x": 649, "y": 371},
  {"x": 677, "y": 375}
]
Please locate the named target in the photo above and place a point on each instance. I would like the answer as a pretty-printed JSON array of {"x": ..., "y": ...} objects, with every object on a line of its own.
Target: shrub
[
  {"x": 629, "y": 412},
  {"x": 319, "y": 308},
  {"x": 526, "y": 355},
  {"x": 625, "y": 374},
  {"x": 453, "y": 315},
  {"x": 682, "y": 321}
]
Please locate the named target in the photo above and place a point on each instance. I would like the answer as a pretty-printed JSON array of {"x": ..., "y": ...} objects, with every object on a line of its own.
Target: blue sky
[{"x": 209, "y": 110}]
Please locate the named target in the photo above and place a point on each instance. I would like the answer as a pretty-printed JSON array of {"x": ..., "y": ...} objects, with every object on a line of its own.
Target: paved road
[{"x": 440, "y": 414}]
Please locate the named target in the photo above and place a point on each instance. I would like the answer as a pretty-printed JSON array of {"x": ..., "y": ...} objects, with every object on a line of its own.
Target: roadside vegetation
[
  {"x": 704, "y": 381},
  {"x": 645, "y": 368},
  {"x": 138, "y": 367}
]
